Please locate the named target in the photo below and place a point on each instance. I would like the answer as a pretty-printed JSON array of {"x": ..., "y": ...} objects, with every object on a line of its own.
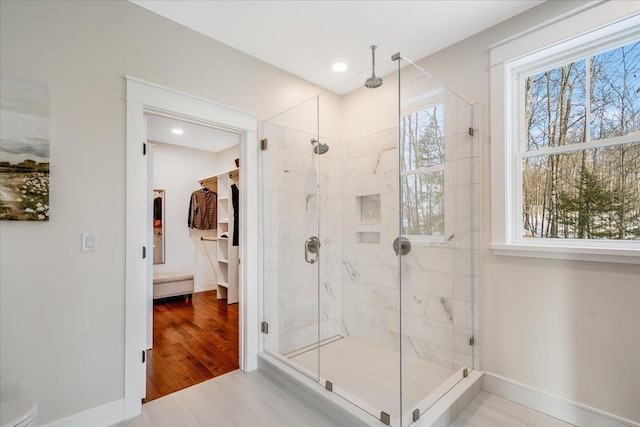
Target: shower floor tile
[{"x": 371, "y": 374}]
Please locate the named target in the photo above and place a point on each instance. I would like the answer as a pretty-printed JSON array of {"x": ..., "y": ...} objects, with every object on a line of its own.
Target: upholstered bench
[{"x": 172, "y": 284}]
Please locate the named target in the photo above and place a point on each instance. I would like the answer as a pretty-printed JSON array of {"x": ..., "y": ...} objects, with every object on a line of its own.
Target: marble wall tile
[
  {"x": 429, "y": 258},
  {"x": 298, "y": 297},
  {"x": 380, "y": 317},
  {"x": 372, "y": 143},
  {"x": 299, "y": 318},
  {"x": 439, "y": 333},
  {"x": 295, "y": 161},
  {"x": 376, "y": 274},
  {"x": 428, "y": 282},
  {"x": 465, "y": 288},
  {"x": 465, "y": 262},
  {"x": 428, "y": 351},
  {"x": 377, "y": 296},
  {"x": 428, "y": 306},
  {"x": 465, "y": 313},
  {"x": 461, "y": 340}
]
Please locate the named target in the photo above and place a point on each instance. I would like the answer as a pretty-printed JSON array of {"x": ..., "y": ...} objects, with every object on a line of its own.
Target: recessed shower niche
[{"x": 368, "y": 214}]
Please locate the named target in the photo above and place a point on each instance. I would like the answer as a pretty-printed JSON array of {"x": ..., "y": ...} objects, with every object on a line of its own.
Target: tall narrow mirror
[{"x": 158, "y": 227}]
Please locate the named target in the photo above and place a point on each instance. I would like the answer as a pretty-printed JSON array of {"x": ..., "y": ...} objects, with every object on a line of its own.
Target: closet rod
[{"x": 208, "y": 240}]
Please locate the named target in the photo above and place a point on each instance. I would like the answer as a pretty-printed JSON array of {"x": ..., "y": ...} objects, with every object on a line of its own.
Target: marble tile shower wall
[
  {"x": 290, "y": 209},
  {"x": 438, "y": 279},
  {"x": 359, "y": 219}
]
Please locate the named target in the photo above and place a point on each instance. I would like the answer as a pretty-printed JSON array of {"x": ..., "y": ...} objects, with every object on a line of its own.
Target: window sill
[{"x": 624, "y": 256}]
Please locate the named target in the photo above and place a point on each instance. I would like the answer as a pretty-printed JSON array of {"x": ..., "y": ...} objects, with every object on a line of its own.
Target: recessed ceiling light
[
  {"x": 339, "y": 67},
  {"x": 177, "y": 131}
]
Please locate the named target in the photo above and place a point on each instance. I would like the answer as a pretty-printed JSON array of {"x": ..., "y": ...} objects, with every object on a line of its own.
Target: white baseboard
[
  {"x": 566, "y": 410},
  {"x": 206, "y": 288},
  {"x": 101, "y": 416}
]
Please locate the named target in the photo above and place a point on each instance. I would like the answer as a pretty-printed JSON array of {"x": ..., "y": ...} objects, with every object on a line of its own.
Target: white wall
[
  {"x": 62, "y": 311},
  {"x": 178, "y": 170}
]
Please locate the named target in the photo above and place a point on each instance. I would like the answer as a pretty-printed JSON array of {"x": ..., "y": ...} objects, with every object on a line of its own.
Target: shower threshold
[{"x": 369, "y": 376}]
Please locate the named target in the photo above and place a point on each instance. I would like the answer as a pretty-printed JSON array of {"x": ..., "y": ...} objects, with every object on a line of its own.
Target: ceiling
[
  {"x": 159, "y": 129},
  {"x": 306, "y": 38}
]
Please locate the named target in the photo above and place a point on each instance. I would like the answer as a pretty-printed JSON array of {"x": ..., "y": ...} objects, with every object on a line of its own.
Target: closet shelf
[
  {"x": 223, "y": 221},
  {"x": 224, "y": 261},
  {"x": 223, "y": 284}
]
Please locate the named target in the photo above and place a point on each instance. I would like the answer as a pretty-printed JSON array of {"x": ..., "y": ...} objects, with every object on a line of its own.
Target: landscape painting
[{"x": 24, "y": 150}]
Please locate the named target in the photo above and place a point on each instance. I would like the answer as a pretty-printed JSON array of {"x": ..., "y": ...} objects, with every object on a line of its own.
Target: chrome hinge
[
  {"x": 328, "y": 385},
  {"x": 471, "y": 131},
  {"x": 264, "y": 327},
  {"x": 144, "y": 356},
  {"x": 264, "y": 144},
  {"x": 416, "y": 415},
  {"x": 465, "y": 373},
  {"x": 472, "y": 341},
  {"x": 144, "y": 149},
  {"x": 385, "y": 418},
  {"x": 144, "y": 252}
]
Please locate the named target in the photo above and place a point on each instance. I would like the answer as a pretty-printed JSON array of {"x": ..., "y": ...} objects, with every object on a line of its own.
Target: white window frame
[
  {"x": 559, "y": 42},
  {"x": 411, "y": 105}
]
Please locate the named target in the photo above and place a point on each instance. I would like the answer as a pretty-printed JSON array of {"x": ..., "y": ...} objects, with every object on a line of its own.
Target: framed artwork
[{"x": 24, "y": 150}]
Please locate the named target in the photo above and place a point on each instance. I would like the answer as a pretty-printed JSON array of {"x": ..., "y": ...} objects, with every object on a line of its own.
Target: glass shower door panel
[
  {"x": 438, "y": 180},
  {"x": 290, "y": 277},
  {"x": 358, "y": 274}
]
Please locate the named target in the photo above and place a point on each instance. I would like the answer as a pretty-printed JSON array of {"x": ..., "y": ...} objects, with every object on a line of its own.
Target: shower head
[
  {"x": 373, "y": 81},
  {"x": 319, "y": 147}
]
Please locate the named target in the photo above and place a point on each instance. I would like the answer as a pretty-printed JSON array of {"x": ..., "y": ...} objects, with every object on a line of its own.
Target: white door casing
[{"x": 144, "y": 97}]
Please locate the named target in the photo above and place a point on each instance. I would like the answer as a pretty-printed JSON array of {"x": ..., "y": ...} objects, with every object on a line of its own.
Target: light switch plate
[{"x": 88, "y": 242}]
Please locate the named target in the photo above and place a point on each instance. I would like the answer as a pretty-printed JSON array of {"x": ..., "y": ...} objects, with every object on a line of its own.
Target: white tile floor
[
  {"x": 234, "y": 399},
  {"x": 251, "y": 400},
  {"x": 489, "y": 410},
  {"x": 371, "y": 374}
]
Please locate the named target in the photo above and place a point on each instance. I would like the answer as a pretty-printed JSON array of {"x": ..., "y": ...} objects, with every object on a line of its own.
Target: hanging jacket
[{"x": 203, "y": 210}]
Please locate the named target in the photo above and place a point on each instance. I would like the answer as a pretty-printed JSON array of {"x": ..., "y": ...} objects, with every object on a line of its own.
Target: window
[
  {"x": 423, "y": 167},
  {"x": 578, "y": 155},
  {"x": 565, "y": 138}
]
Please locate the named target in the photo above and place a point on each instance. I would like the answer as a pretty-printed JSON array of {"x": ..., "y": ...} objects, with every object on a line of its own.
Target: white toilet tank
[{"x": 18, "y": 413}]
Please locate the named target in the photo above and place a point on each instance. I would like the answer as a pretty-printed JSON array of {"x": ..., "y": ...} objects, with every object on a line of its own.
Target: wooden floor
[
  {"x": 489, "y": 410},
  {"x": 192, "y": 342}
]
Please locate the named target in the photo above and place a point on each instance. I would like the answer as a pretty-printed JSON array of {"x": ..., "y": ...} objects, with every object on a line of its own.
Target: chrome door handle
[
  {"x": 312, "y": 246},
  {"x": 402, "y": 245}
]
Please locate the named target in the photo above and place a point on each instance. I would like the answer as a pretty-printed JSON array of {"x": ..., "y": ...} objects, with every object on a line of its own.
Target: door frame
[{"x": 141, "y": 98}]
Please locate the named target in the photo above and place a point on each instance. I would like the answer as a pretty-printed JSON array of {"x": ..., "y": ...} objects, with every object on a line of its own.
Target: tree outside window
[
  {"x": 579, "y": 148},
  {"x": 423, "y": 162}
]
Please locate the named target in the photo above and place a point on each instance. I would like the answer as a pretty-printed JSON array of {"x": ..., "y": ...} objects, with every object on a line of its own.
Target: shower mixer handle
[
  {"x": 402, "y": 245},
  {"x": 312, "y": 246}
]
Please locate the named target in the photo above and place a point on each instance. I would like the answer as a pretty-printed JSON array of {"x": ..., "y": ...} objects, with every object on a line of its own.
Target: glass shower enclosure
[{"x": 369, "y": 210}]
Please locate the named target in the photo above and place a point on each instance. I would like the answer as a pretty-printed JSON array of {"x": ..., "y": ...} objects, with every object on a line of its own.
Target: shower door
[
  {"x": 439, "y": 183},
  {"x": 292, "y": 242}
]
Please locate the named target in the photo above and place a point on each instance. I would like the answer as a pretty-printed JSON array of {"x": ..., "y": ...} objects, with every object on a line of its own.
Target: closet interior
[
  {"x": 193, "y": 228},
  {"x": 227, "y": 233}
]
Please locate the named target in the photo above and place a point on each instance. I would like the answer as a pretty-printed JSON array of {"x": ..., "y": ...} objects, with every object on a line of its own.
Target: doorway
[
  {"x": 147, "y": 98},
  {"x": 193, "y": 298}
]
